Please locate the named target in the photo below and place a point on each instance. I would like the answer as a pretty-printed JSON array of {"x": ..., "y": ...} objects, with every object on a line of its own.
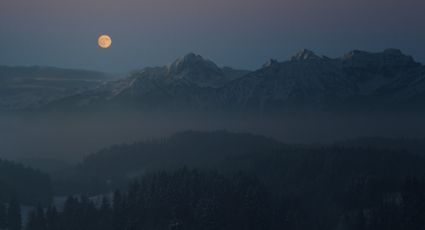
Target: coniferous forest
[
  {"x": 172, "y": 184},
  {"x": 192, "y": 199}
]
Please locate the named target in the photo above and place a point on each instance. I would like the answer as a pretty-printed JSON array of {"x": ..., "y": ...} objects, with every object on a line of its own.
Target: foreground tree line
[
  {"x": 10, "y": 215},
  {"x": 192, "y": 199},
  {"x": 185, "y": 199}
]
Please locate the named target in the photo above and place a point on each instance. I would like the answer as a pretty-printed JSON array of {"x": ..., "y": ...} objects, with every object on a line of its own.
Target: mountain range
[{"x": 357, "y": 80}]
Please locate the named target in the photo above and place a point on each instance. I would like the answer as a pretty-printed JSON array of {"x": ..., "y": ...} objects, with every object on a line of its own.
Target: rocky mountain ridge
[{"x": 358, "y": 79}]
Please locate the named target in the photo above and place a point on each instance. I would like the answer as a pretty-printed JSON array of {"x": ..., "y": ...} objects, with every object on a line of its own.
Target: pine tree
[
  {"x": 36, "y": 220},
  {"x": 117, "y": 210},
  {"x": 41, "y": 219},
  {"x": 105, "y": 215},
  {"x": 52, "y": 222},
  {"x": 32, "y": 221},
  {"x": 14, "y": 218},
  {"x": 3, "y": 216}
]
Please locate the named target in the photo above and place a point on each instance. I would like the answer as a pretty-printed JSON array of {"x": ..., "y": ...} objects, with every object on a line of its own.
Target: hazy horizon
[
  {"x": 205, "y": 57},
  {"x": 241, "y": 34}
]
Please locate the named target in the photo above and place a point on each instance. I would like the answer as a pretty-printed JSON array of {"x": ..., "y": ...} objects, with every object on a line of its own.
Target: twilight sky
[{"x": 239, "y": 33}]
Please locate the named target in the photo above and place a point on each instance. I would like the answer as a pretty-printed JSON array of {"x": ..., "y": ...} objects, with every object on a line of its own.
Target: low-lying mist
[{"x": 69, "y": 137}]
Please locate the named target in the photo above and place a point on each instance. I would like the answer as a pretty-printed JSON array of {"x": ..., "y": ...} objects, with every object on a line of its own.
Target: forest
[
  {"x": 192, "y": 199},
  {"x": 30, "y": 185},
  {"x": 223, "y": 180}
]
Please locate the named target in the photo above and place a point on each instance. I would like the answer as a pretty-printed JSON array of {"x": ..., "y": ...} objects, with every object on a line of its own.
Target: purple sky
[{"x": 239, "y": 33}]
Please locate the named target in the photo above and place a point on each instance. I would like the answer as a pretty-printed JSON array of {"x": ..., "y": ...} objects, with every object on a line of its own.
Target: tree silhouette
[{"x": 14, "y": 219}]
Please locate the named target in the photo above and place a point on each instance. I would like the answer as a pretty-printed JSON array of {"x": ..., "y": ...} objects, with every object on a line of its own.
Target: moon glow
[{"x": 104, "y": 41}]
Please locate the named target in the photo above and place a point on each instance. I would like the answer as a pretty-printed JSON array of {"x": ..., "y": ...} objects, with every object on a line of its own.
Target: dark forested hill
[
  {"x": 303, "y": 167},
  {"x": 27, "y": 185},
  {"x": 116, "y": 165},
  {"x": 412, "y": 145},
  {"x": 282, "y": 186}
]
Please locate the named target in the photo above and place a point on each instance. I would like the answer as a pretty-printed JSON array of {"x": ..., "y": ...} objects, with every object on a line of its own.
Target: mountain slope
[
  {"x": 306, "y": 80},
  {"x": 188, "y": 82},
  {"x": 312, "y": 81}
]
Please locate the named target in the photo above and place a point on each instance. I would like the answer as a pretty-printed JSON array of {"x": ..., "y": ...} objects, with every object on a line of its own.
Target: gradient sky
[{"x": 238, "y": 33}]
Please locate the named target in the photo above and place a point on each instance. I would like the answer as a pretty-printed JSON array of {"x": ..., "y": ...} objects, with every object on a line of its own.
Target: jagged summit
[
  {"x": 305, "y": 54},
  {"x": 190, "y": 69},
  {"x": 192, "y": 61},
  {"x": 196, "y": 69},
  {"x": 189, "y": 58}
]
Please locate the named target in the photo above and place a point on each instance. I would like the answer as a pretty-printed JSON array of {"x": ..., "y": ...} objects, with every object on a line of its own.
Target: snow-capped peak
[{"x": 305, "y": 54}]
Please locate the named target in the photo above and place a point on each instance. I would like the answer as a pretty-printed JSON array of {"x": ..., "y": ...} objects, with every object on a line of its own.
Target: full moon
[{"x": 104, "y": 41}]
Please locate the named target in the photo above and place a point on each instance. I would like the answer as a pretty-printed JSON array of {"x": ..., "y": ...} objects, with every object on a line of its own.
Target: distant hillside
[
  {"x": 29, "y": 87},
  {"x": 416, "y": 146}
]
